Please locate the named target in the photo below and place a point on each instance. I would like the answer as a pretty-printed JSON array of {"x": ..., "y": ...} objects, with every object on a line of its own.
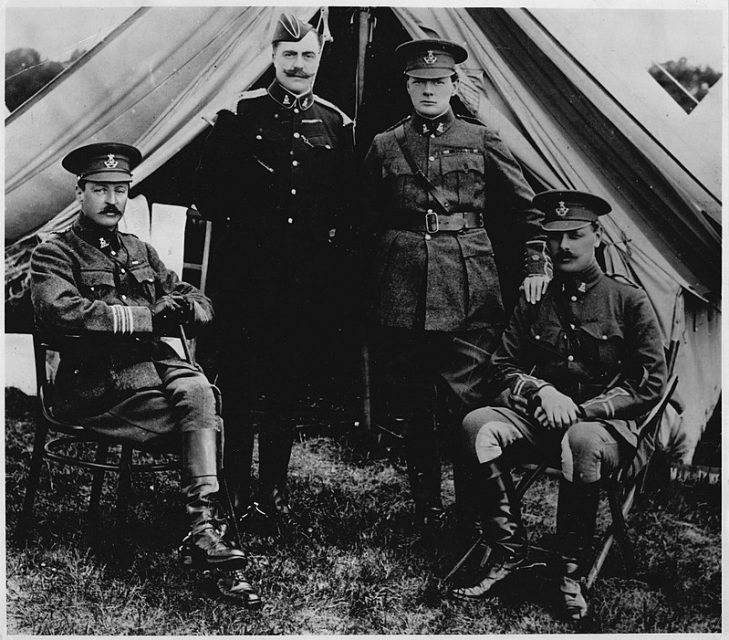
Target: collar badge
[
  {"x": 111, "y": 162},
  {"x": 440, "y": 127},
  {"x": 103, "y": 242},
  {"x": 430, "y": 58},
  {"x": 582, "y": 287},
  {"x": 561, "y": 210},
  {"x": 287, "y": 100}
]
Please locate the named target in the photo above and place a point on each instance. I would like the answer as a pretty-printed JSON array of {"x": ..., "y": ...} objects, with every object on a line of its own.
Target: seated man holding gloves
[{"x": 119, "y": 378}]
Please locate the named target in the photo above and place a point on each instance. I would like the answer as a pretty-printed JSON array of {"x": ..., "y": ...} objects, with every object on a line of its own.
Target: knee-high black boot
[
  {"x": 423, "y": 463},
  {"x": 275, "y": 440},
  {"x": 502, "y": 529},
  {"x": 204, "y": 547},
  {"x": 238, "y": 459},
  {"x": 576, "y": 520}
]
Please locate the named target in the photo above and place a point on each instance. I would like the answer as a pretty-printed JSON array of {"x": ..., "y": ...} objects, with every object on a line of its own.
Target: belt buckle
[{"x": 431, "y": 222}]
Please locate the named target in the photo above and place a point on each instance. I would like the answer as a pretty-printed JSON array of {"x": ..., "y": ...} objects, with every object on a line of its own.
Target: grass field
[{"x": 349, "y": 562}]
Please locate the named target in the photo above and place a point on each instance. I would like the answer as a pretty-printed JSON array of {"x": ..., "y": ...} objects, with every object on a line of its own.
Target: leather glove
[{"x": 167, "y": 312}]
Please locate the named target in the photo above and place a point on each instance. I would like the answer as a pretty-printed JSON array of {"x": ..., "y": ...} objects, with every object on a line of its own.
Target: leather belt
[{"x": 432, "y": 222}]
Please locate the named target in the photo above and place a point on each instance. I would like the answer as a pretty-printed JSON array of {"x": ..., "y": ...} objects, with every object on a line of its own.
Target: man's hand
[
  {"x": 168, "y": 311},
  {"x": 534, "y": 287},
  {"x": 557, "y": 411}
]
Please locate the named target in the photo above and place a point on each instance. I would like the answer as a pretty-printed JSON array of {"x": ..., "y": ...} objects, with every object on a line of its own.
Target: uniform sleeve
[
  {"x": 644, "y": 375},
  {"x": 516, "y": 196},
  {"x": 59, "y": 306},
  {"x": 372, "y": 199},
  {"x": 215, "y": 172},
  {"x": 511, "y": 363},
  {"x": 167, "y": 282}
]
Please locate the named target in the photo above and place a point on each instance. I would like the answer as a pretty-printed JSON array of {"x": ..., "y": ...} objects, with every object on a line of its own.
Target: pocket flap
[{"x": 96, "y": 277}]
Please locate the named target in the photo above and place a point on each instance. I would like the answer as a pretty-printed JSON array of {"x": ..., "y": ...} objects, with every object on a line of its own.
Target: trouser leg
[
  {"x": 423, "y": 464},
  {"x": 588, "y": 451},
  {"x": 192, "y": 400}
]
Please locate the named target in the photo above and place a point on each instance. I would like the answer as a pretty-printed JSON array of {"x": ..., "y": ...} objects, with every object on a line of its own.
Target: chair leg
[
  {"x": 36, "y": 462},
  {"x": 620, "y": 528},
  {"x": 125, "y": 483},
  {"x": 98, "y": 483}
]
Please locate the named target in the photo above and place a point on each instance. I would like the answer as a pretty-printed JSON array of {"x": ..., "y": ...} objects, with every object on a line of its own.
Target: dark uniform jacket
[
  {"x": 104, "y": 295},
  {"x": 275, "y": 177},
  {"x": 448, "y": 278},
  {"x": 596, "y": 340}
]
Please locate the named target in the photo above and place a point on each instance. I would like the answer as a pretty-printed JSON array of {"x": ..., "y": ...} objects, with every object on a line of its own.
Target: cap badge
[
  {"x": 430, "y": 58},
  {"x": 111, "y": 162},
  {"x": 561, "y": 210}
]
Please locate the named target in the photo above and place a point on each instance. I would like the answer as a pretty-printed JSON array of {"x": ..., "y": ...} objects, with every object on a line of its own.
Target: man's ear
[
  {"x": 79, "y": 195},
  {"x": 454, "y": 88},
  {"x": 598, "y": 233}
]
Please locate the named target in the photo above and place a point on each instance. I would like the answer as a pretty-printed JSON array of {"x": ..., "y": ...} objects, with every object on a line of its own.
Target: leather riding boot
[
  {"x": 423, "y": 463},
  {"x": 238, "y": 460},
  {"x": 275, "y": 440},
  {"x": 502, "y": 529},
  {"x": 203, "y": 547},
  {"x": 576, "y": 520}
]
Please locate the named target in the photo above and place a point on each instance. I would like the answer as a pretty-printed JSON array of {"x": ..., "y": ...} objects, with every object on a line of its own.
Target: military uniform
[
  {"x": 275, "y": 177},
  {"x": 117, "y": 377},
  {"x": 594, "y": 338},
  {"x": 433, "y": 285},
  {"x": 102, "y": 286}
]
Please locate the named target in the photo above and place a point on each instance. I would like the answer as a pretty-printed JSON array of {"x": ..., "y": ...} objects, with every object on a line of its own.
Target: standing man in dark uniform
[
  {"x": 580, "y": 368},
  {"x": 433, "y": 185},
  {"x": 119, "y": 378},
  {"x": 275, "y": 179}
]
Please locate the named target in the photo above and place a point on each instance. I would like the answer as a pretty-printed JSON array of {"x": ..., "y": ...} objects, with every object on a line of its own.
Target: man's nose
[
  {"x": 111, "y": 197},
  {"x": 564, "y": 241}
]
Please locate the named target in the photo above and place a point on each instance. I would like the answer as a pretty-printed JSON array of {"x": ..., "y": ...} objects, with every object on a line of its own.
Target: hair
[
  {"x": 454, "y": 77},
  {"x": 82, "y": 182}
]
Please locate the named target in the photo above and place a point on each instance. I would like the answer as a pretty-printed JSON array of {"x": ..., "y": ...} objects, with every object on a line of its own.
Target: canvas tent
[{"x": 568, "y": 118}]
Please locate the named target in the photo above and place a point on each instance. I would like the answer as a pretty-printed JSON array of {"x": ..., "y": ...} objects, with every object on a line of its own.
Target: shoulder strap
[{"x": 422, "y": 178}]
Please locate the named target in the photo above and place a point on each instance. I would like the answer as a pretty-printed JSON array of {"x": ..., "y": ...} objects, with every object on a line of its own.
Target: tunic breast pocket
[
  {"x": 605, "y": 344},
  {"x": 144, "y": 277},
  {"x": 97, "y": 284},
  {"x": 545, "y": 340},
  {"x": 462, "y": 174}
]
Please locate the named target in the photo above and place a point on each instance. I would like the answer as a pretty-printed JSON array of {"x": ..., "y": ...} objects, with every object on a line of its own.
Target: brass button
[
  {"x": 293, "y": 192},
  {"x": 297, "y": 134},
  {"x": 295, "y": 163},
  {"x": 290, "y": 221},
  {"x": 570, "y": 358},
  {"x": 574, "y": 298}
]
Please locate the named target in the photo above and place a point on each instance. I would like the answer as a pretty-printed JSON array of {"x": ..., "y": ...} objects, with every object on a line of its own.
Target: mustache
[
  {"x": 564, "y": 254},
  {"x": 111, "y": 209},
  {"x": 298, "y": 73}
]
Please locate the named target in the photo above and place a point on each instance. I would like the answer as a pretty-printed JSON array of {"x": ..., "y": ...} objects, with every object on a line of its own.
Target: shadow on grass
[{"x": 349, "y": 561}]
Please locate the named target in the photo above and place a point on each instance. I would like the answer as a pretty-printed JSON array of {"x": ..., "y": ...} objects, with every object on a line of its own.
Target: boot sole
[{"x": 225, "y": 564}]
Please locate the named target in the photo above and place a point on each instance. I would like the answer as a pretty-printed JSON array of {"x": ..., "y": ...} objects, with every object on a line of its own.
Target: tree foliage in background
[
  {"x": 26, "y": 74},
  {"x": 696, "y": 80}
]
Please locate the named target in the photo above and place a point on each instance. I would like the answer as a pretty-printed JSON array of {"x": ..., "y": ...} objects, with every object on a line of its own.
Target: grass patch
[{"x": 350, "y": 562}]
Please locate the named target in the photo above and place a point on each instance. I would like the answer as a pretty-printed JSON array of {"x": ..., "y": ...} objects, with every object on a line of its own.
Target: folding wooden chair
[
  {"x": 622, "y": 487},
  {"x": 71, "y": 443}
]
